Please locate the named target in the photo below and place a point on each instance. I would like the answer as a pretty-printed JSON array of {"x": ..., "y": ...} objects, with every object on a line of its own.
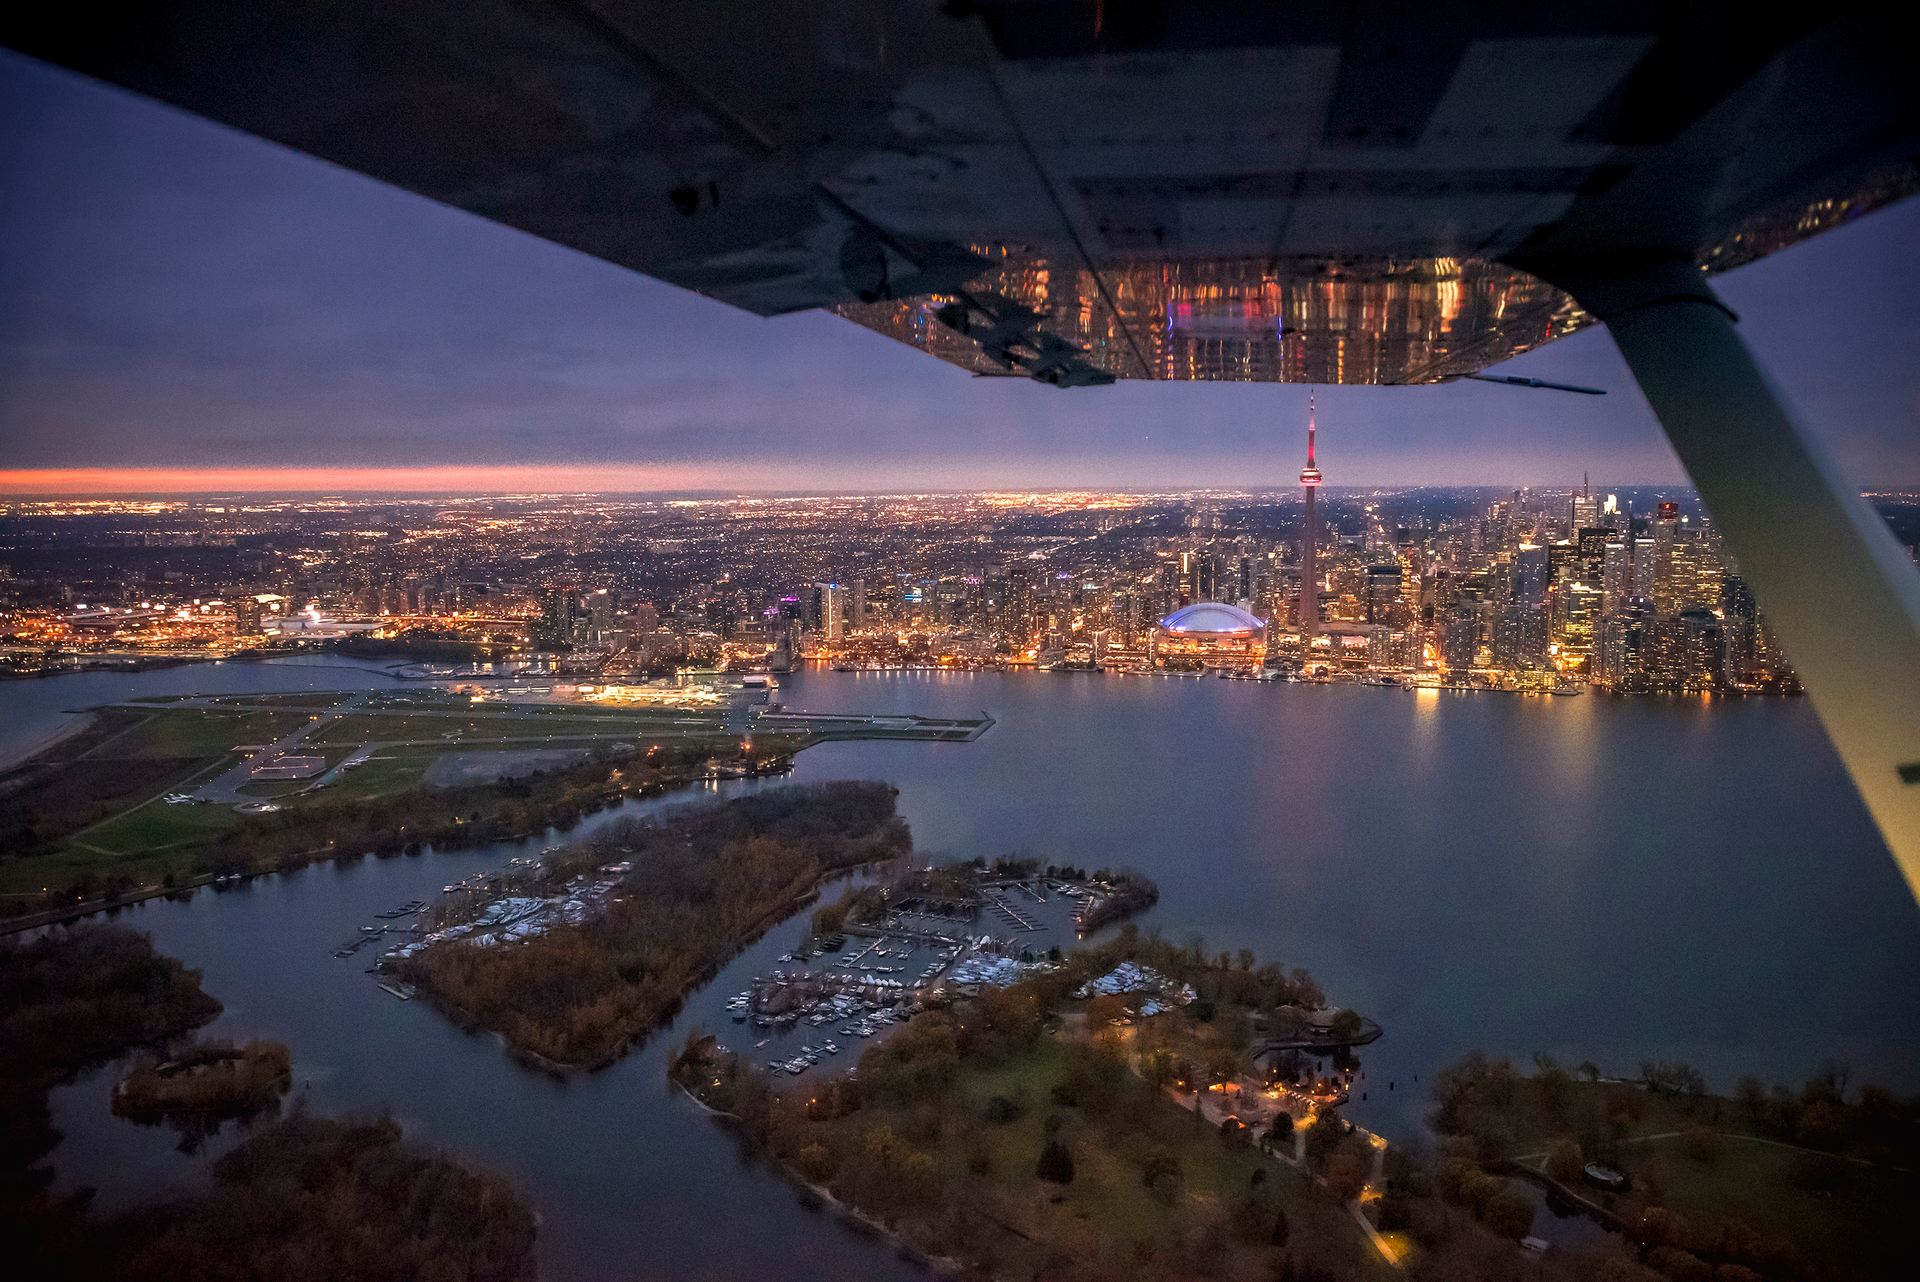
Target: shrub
[
  {"x": 1564, "y": 1160},
  {"x": 1159, "y": 1168},
  {"x": 815, "y": 1162},
  {"x": 1507, "y": 1213},
  {"x": 1323, "y": 1138},
  {"x": 1347, "y": 1177},
  {"x": 1700, "y": 1144}
]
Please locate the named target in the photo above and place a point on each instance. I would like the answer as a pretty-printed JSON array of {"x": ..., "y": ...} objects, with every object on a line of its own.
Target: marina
[{"x": 865, "y": 980}]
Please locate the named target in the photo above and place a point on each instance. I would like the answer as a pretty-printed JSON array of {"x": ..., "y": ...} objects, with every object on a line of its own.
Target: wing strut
[{"x": 1841, "y": 594}]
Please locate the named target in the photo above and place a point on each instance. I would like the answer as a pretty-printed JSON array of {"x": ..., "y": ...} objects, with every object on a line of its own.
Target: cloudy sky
[{"x": 213, "y": 311}]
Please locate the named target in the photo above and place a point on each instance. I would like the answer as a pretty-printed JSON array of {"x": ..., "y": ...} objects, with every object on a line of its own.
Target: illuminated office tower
[
  {"x": 1702, "y": 651},
  {"x": 1583, "y": 510},
  {"x": 1697, "y": 572},
  {"x": 559, "y": 611},
  {"x": 1383, "y": 591},
  {"x": 246, "y": 615},
  {"x": 1579, "y": 609},
  {"x": 1643, "y": 557},
  {"x": 857, "y": 594},
  {"x": 1530, "y": 601},
  {"x": 1666, "y": 535},
  {"x": 1309, "y": 545},
  {"x": 1592, "y": 542},
  {"x": 602, "y": 608},
  {"x": 1616, "y": 575},
  {"x": 833, "y": 604},
  {"x": 1740, "y": 632},
  {"x": 1460, "y": 637}
]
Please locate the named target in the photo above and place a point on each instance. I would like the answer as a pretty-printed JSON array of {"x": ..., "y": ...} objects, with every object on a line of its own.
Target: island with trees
[
  {"x": 205, "y": 1079},
  {"x": 680, "y": 893}
]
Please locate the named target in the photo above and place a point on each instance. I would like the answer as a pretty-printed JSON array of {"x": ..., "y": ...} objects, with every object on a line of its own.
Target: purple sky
[{"x": 174, "y": 294}]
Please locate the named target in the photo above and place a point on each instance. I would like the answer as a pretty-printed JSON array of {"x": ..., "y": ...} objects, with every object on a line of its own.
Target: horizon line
[{"x": 29, "y": 484}]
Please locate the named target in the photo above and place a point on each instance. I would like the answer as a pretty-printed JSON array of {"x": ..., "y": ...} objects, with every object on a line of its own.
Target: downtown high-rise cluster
[{"x": 1521, "y": 588}]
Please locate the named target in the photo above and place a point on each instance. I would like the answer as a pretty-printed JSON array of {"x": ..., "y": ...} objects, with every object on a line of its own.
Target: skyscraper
[
  {"x": 1666, "y": 533},
  {"x": 559, "y": 609},
  {"x": 1582, "y": 510},
  {"x": 833, "y": 603},
  {"x": 1309, "y": 545},
  {"x": 1616, "y": 573}
]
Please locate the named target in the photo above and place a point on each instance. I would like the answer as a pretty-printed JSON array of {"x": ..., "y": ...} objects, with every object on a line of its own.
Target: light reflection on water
[{"x": 1597, "y": 878}]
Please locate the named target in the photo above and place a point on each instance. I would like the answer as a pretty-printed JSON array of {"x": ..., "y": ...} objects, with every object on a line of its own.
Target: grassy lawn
[
  {"x": 192, "y": 732},
  {"x": 55, "y": 803},
  {"x": 160, "y": 827},
  {"x": 144, "y": 845},
  {"x": 389, "y": 770},
  {"x": 389, "y": 727},
  {"x": 273, "y": 787},
  {"x": 418, "y": 703},
  {"x": 1831, "y": 1209}
]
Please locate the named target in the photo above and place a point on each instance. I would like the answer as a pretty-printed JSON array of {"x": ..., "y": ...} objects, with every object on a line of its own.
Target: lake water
[{"x": 1603, "y": 879}]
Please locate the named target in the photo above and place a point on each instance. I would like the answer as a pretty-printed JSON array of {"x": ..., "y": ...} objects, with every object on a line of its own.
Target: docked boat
[{"x": 1604, "y": 1177}]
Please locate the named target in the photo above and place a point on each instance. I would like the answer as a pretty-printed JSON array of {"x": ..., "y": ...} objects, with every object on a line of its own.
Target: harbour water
[{"x": 1604, "y": 879}]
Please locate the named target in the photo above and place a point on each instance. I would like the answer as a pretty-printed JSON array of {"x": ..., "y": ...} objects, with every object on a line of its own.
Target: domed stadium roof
[{"x": 1211, "y": 618}]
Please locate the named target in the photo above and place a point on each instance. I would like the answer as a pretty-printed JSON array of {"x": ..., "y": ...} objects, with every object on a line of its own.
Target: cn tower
[{"x": 1309, "y": 546}]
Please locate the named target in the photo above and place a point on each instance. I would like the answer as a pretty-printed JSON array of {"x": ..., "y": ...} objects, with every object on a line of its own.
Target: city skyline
[{"x": 1535, "y": 588}]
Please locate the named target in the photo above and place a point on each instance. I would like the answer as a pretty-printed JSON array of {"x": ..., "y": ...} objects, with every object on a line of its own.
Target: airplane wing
[{"x": 1076, "y": 190}]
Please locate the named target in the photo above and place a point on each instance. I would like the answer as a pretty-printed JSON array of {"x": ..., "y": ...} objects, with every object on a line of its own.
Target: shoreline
[
  {"x": 817, "y": 1196},
  {"x": 25, "y": 755}
]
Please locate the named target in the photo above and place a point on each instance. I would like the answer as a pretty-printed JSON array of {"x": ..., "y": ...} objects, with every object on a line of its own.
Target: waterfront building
[
  {"x": 1578, "y": 610},
  {"x": 1212, "y": 630},
  {"x": 1460, "y": 637},
  {"x": 1701, "y": 652}
]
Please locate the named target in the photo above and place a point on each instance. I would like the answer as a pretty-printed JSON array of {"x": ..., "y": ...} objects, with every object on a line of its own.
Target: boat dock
[{"x": 1012, "y": 914}]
